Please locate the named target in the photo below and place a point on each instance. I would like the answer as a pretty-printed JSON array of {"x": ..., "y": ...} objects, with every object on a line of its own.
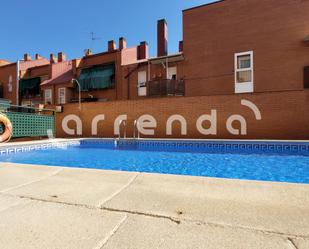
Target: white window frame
[
  {"x": 48, "y": 97},
  {"x": 61, "y": 99},
  {"x": 244, "y": 87},
  {"x": 171, "y": 71},
  {"x": 141, "y": 83}
]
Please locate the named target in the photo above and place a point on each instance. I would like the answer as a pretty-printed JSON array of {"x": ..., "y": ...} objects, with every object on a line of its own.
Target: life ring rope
[{"x": 8, "y": 128}]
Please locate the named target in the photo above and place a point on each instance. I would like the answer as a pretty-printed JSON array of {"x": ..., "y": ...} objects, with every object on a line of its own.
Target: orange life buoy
[{"x": 8, "y": 129}]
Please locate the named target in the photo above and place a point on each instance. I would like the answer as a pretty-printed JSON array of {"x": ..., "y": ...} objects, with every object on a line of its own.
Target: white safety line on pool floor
[
  {"x": 31, "y": 182},
  {"x": 101, "y": 203},
  {"x": 103, "y": 242}
]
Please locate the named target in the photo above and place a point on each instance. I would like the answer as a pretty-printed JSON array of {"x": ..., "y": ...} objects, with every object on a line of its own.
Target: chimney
[
  {"x": 38, "y": 57},
  {"x": 75, "y": 64},
  {"x": 87, "y": 52},
  {"x": 180, "y": 46},
  {"x": 122, "y": 43},
  {"x": 27, "y": 57},
  {"x": 162, "y": 37},
  {"x": 111, "y": 46},
  {"x": 53, "y": 58},
  {"x": 142, "y": 51},
  {"x": 61, "y": 57}
]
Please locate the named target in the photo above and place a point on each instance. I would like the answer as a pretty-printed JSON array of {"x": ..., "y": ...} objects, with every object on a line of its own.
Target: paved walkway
[{"x": 53, "y": 207}]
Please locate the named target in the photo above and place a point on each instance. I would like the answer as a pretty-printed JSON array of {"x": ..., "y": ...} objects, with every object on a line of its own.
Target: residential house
[
  {"x": 229, "y": 47},
  {"x": 20, "y": 80}
]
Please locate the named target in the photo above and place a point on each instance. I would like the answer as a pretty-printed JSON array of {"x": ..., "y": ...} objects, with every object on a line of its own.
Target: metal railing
[
  {"x": 124, "y": 123},
  {"x": 165, "y": 87},
  {"x": 136, "y": 130}
]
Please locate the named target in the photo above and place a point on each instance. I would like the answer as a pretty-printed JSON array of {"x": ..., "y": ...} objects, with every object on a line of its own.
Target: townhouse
[
  {"x": 229, "y": 47},
  {"x": 20, "y": 81}
]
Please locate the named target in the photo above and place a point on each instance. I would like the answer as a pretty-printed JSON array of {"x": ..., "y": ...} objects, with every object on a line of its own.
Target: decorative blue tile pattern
[
  {"x": 248, "y": 147},
  {"x": 198, "y": 146},
  {"x": 44, "y": 146},
  {"x": 98, "y": 143}
]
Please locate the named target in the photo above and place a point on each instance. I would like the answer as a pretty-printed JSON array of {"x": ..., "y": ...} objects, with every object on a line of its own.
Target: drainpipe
[
  {"x": 79, "y": 94},
  {"x": 17, "y": 82}
]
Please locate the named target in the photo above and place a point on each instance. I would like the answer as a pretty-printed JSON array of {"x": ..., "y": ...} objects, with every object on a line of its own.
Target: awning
[
  {"x": 32, "y": 85},
  {"x": 100, "y": 77}
]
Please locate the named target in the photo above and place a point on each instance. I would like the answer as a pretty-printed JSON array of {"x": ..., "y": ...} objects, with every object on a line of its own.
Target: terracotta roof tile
[
  {"x": 61, "y": 72},
  {"x": 24, "y": 65}
]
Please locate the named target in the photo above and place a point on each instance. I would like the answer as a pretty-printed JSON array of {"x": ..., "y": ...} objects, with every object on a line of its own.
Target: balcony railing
[{"x": 165, "y": 87}]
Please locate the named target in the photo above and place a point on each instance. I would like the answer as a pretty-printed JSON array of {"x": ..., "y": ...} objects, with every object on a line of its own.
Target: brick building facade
[
  {"x": 229, "y": 47},
  {"x": 271, "y": 34}
]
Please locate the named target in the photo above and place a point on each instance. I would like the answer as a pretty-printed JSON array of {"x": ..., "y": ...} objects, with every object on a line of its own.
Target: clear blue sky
[{"x": 50, "y": 26}]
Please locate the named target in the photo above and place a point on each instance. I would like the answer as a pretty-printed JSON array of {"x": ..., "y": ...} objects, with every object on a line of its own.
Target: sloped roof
[
  {"x": 24, "y": 65},
  {"x": 61, "y": 72},
  {"x": 4, "y": 62}
]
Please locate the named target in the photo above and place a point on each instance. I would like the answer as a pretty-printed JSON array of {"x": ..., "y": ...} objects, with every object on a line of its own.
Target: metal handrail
[
  {"x": 165, "y": 87},
  {"x": 79, "y": 94},
  {"x": 135, "y": 129},
  {"x": 122, "y": 121}
]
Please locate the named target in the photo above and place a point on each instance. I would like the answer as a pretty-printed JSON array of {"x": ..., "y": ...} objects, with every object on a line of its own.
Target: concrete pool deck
[{"x": 55, "y": 207}]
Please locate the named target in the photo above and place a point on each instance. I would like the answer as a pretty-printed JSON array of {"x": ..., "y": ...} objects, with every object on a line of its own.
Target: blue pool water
[{"x": 282, "y": 168}]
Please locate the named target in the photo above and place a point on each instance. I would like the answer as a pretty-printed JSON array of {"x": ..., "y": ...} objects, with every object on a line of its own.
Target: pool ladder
[
  {"x": 123, "y": 123},
  {"x": 136, "y": 130}
]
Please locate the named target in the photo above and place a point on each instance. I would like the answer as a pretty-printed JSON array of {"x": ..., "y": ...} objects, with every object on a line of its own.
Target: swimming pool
[{"x": 266, "y": 161}]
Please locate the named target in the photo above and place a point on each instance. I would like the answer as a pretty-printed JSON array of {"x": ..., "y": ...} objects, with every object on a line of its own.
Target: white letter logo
[
  {"x": 243, "y": 125},
  {"x": 241, "y": 119},
  {"x": 94, "y": 125},
  {"x": 146, "y": 124},
  {"x": 77, "y": 121},
  {"x": 212, "y": 130},
  {"x": 182, "y": 121}
]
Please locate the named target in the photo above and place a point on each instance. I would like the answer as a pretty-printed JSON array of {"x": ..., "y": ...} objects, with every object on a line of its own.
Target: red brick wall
[
  {"x": 129, "y": 55},
  {"x": 4, "y": 62},
  {"x": 5, "y": 72},
  {"x": 101, "y": 59},
  {"x": 10, "y": 69},
  {"x": 274, "y": 30},
  {"x": 284, "y": 114}
]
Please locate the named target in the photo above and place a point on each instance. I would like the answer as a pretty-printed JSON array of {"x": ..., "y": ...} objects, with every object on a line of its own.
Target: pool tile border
[
  {"x": 225, "y": 146},
  {"x": 11, "y": 149},
  {"x": 260, "y": 147}
]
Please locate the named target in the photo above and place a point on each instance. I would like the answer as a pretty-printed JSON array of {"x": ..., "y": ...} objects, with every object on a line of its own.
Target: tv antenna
[{"x": 94, "y": 38}]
